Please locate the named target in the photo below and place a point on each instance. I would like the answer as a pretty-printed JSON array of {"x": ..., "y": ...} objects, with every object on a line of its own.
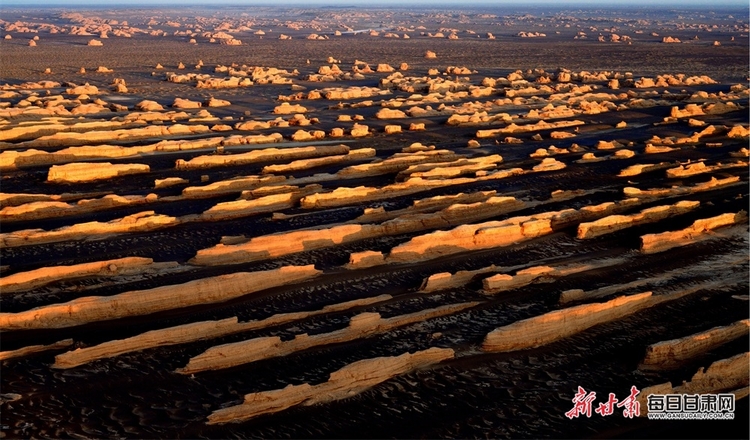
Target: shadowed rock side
[
  {"x": 195, "y": 332},
  {"x": 360, "y": 326},
  {"x": 344, "y": 383},
  {"x": 700, "y": 230},
  {"x": 723, "y": 376},
  {"x": 142, "y": 302},
  {"x": 673, "y": 353}
]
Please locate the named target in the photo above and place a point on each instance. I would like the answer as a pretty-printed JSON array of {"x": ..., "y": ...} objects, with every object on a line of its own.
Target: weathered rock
[
  {"x": 469, "y": 237},
  {"x": 614, "y": 223},
  {"x": 698, "y": 231},
  {"x": 169, "y": 181},
  {"x": 675, "y": 352},
  {"x": 276, "y": 245},
  {"x": 214, "y": 102},
  {"x": 185, "y": 103},
  {"x": 359, "y": 130},
  {"x": 549, "y": 164},
  {"x": 289, "y": 109},
  {"x": 699, "y": 168},
  {"x": 264, "y": 155},
  {"x": 85, "y": 89},
  {"x": 362, "y": 325},
  {"x": 93, "y": 137},
  {"x": 387, "y": 113},
  {"x": 34, "y": 349},
  {"x": 513, "y": 128},
  {"x": 141, "y": 302},
  {"x": 635, "y": 170},
  {"x": 87, "y": 172},
  {"x": 559, "y": 324},
  {"x": 344, "y": 383},
  {"x": 304, "y": 164},
  {"x": 24, "y": 281},
  {"x": 260, "y": 205},
  {"x": 231, "y": 186},
  {"x": 726, "y": 375},
  {"x": 149, "y": 106},
  {"x": 140, "y": 222},
  {"x": 680, "y": 190},
  {"x": 364, "y": 259},
  {"x": 198, "y": 331}
]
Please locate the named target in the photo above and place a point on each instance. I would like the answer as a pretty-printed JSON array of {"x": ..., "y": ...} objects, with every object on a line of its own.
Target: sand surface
[{"x": 405, "y": 180}]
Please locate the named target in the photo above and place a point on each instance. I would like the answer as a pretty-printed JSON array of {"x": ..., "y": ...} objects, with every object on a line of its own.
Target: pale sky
[{"x": 369, "y": 3}]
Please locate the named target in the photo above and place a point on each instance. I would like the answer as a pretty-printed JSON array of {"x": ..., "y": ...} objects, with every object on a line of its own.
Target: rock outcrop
[
  {"x": 263, "y": 155},
  {"x": 142, "y": 302},
  {"x": 360, "y": 326},
  {"x": 139, "y": 222},
  {"x": 197, "y": 331},
  {"x": 614, "y": 223},
  {"x": 25, "y": 281},
  {"x": 675, "y": 352},
  {"x": 87, "y": 172},
  {"x": 304, "y": 164},
  {"x": 726, "y": 375},
  {"x": 469, "y": 237},
  {"x": 34, "y": 349},
  {"x": 342, "y": 384},
  {"x": 560, "y": 324},
  {"x": 700, "y": 230},
  {"x": 276, "y": 245}
]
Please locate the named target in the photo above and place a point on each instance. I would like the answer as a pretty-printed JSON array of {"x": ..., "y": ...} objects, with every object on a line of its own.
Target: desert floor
[{"x": 505, "y": 179}]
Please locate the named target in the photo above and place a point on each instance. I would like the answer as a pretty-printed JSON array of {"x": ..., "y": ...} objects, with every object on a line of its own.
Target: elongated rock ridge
[
  {"x": 33, "y": 279},
  {"x": 346, "y": 382},
  {"x": 275, "y": 245},
  {"x": 698, "y": 231},
  {"x": 86, "y": 172},
  {"x": 559, "y": 324},
  {"x": 673, "y": 353},
  {"x": 723, "y": 376},
  {"x": 615, "y": 223},
  {"x": 142, "y": 302},
  {"x": 197, "y": 331},
  {"x": 360, "y": 326},
  {"x": 34, "y": 349}
]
